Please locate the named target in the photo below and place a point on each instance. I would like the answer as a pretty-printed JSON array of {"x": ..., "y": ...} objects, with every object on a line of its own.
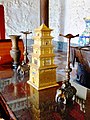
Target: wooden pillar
[
  {"x": 2, "y": 23},
  {"x": 44, "y": 12}
]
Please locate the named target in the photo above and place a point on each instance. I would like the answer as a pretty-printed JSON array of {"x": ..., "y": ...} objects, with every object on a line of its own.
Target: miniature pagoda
[{"x": 42, "y": 67}]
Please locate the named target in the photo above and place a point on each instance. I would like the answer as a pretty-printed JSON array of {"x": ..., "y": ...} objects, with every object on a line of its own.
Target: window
[
  {"x": 35, "y": 61},
  {"x": 48, "y": 61}
]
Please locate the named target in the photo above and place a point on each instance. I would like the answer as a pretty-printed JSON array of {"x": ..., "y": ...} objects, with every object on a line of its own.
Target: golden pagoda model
[
  {"x": 42, "y": 67},
  {"x": 42, "y": 107}
]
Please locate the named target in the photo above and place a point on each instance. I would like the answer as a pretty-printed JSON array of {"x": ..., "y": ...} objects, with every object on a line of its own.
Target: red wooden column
[
  {"x": 44, "y": 12},
  {"x": 2, "y": 23}
]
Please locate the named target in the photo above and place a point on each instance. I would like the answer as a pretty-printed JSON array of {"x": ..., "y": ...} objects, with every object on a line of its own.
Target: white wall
[
  {"x": 21, "y": 15},
  {"x": 57, "y": 14},
  {"x": 75, "y": 11},
  {"x": 66, "y": 16}
]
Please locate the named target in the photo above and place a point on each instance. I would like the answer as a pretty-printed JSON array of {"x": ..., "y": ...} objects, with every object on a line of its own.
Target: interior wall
[
  {"x": 75, "y": 11},
  {"x": 57, "y": 17},
  {"x": 21, "y": 15},
  {"x": 65, "y": 16}
]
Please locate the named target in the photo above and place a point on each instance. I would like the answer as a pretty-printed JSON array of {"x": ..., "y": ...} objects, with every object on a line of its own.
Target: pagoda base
[{"x": 42, "y": 87}]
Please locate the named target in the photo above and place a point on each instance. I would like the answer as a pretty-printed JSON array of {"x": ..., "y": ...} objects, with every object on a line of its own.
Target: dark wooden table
[{"x": 29, "y": 104}]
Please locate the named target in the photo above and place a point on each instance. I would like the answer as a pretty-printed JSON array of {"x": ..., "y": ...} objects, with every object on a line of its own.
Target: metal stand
[
  {"x": 24, "y": 67},
  {"x": 68, "y": 69},
  {"x": 67, "y": 92},
  {"x": 25, "y": 51}
]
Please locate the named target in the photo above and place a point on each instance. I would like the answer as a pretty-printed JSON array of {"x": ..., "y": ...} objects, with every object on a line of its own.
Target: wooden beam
[{"x": 44, "y": 12}]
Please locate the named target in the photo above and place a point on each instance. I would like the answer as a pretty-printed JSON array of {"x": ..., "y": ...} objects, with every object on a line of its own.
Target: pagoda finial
[{"x": 42, "y": 20}]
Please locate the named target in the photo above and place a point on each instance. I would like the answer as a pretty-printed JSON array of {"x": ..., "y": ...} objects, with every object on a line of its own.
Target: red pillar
[{"x": 2, "y": 23}]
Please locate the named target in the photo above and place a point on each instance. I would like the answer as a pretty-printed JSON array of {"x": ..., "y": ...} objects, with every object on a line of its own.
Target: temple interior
[{"x": 44, "y": 60}]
